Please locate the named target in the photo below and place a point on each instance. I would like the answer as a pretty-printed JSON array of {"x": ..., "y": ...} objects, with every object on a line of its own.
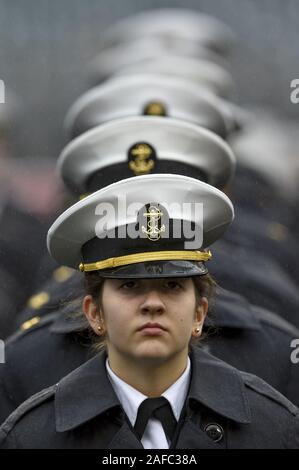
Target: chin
[{"x": 153, "y": 352}]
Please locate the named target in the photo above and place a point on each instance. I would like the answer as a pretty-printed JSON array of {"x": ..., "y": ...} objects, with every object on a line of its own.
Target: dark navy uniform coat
[
  {"x": 224, "y": 409},
  {"x": 258, "y": 277},
  {"x": 22, "y": 246},
  {"x": 248, "y": 337}
]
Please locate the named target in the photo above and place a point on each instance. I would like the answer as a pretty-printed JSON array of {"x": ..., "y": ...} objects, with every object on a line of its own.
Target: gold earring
[
  {"x": 197, "y": 330},
  {"x": 100, "y": 329}
]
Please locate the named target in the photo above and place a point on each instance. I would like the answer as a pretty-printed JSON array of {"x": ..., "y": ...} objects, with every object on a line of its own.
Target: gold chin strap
[
  {"x": 148, "y": 256},
  {"x": 83, "y": 196}
]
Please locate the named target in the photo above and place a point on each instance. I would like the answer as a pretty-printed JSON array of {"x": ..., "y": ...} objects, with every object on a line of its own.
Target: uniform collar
[
  {"x": 218, "y": 386},
  {"x": 87, "y": 392},
  {"x": 84, "y": 394}
]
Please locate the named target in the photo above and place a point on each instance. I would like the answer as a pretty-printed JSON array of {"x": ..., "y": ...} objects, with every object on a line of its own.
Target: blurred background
[{"x": 46, "y": 46}]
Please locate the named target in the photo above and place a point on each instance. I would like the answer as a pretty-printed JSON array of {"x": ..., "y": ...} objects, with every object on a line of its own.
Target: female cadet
[
  {"x": 150, "y": 388},
  {"x": 91, "y": 162}
]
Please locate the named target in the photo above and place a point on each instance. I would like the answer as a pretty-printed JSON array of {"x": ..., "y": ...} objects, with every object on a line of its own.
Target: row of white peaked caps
[
  {"x": 188, "y": 46},
  {"x": 170, "y": 24},
  {"x": 172, "y": 41}
]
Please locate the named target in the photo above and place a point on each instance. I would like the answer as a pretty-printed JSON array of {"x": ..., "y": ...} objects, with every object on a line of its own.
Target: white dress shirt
[{"x": 154, "y": 436}]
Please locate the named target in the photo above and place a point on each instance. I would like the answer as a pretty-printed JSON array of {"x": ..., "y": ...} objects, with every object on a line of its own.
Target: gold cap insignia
[
  {"x": 154, "y": 228},
  {"x": 155, "y": 108},
  {"x": 141, "y": 159}
]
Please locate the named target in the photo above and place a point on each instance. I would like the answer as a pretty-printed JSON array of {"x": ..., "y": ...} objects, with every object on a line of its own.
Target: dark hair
[{"x": 204, "y": 287}]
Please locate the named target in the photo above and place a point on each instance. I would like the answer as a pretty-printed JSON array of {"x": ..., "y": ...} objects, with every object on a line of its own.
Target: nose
[{"x": 152, "y": 303}]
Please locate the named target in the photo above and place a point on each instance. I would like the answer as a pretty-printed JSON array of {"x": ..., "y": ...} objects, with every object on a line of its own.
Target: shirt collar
[
  {"x": 87, "y": 392},
  {"x": 131, "y": 399}
]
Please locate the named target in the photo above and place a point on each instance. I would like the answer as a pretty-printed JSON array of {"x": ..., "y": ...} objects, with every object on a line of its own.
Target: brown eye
[
  {"x": 173, "y": 285},
  {"x": 129, "y": 285}
]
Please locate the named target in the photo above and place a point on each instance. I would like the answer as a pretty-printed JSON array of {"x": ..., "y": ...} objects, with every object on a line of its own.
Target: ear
[
  {"x": 93, "y": 315},
  {"x": 200, "y": 316}
]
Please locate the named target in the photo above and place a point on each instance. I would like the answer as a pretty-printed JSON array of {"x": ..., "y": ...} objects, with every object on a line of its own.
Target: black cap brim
[{"x": 156, "y": 269}]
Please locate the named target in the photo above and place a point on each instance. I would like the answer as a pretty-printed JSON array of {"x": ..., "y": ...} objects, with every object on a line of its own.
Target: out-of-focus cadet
[
  {"x": 267, "y": 149},
  {"x": 153, "y": 41},
  {"x": 89, "y": 162},
  {"x": 110, "y": 401},
  {"x": 200, "y": 72},
  {"x": 268, "y": 145},
  {"x": 171, "y": 25},
  {"x": 28, "y": 196},
  {"x": 112, "y": 59},
  {"x": 150, "y": 95},
  {"x": 262, "y": 190}
]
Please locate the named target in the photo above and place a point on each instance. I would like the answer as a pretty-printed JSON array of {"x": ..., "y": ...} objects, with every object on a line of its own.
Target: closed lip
[{"x": 152, "y": 325}]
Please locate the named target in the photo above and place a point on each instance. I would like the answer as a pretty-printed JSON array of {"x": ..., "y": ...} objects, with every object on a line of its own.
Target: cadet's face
[{"x": 150, "y": 319}]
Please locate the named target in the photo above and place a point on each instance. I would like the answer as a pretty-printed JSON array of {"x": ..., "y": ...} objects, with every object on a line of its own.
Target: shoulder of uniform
[
  {"x": 31, "y": 325},
  {"x": 26, "y": 407},
  {"x": 275, "y": 321},
  {"x": 261, "y": 387}
]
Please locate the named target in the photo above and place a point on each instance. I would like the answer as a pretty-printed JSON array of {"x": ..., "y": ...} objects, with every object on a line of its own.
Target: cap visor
[{"x": 156, "y": 269}]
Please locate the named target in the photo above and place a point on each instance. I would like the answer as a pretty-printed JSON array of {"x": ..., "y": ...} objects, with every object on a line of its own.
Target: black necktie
[{"x": 158, "y": 408}]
